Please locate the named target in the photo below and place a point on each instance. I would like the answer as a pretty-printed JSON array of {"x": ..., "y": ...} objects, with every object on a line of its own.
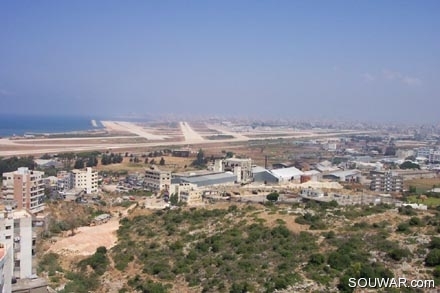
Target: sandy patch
[{"x": 88, "y": 239}]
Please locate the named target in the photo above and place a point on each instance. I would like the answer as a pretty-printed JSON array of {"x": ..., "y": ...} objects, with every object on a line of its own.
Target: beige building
[
  {"x": 187, "y": 192},
  {"x": 86, "y": 180},
  {"x": 26, "y": 188},
  {"x": 157, "y": 180}
]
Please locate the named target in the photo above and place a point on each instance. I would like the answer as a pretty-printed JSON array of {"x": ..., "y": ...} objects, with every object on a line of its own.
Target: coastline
[{"x": 39, "y": 125}]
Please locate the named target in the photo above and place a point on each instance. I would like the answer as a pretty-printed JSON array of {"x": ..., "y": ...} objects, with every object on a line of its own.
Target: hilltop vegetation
[{"x": 255, "y": 248}]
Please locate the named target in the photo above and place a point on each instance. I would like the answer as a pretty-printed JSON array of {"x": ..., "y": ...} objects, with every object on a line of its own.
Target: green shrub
[
  {"x": 403, "y": 227},
  {"x": 415, "y": 221},
  {"x": 433, "y": 258},
  {"x": 399, "y": 253}
]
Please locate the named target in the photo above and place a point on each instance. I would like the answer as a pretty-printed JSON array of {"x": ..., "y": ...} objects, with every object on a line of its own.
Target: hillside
[{"x": 256, "y": 248}]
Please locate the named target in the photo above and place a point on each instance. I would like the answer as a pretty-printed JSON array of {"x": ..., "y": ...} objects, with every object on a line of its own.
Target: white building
[
  {"x": 157, "y": 180},
  {"x": 287, "y": 174},
  {"x": 86, "y": 180},
  {"x": 16, "y": 233},
  {"x": 26, "y": 188},
  {"x": 5, "y": 268}
]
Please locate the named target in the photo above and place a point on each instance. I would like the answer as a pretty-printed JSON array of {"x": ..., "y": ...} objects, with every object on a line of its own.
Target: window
[{"x": 8, "y": 227}]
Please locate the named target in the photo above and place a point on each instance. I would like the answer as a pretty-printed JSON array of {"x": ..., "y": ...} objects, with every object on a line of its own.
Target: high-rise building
[{"x": 26, "y": 188}]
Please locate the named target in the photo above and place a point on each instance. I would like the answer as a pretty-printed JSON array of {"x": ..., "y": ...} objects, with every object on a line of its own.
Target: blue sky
[{"x": 352, "y": 60}]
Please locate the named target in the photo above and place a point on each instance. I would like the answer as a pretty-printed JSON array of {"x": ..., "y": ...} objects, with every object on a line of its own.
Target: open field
[
  {"x": 423, "y": 184},
  {"x": 87, "y": 239},
  {"x": 430, "y": 201}
]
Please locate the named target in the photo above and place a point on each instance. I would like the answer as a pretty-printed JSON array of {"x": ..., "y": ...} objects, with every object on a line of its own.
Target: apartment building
[
  {"x": 386, "y": 182},
  {"x": 26, "y": 188},
  {"x": 64, "y": 181},
  {"x": 86, "y": 180},
  {"x": 157, "y": 180},
  {"x": 431, "y": 154},
  {"x": 187, "y": 192},
  {"x": 16, "y": 235}
]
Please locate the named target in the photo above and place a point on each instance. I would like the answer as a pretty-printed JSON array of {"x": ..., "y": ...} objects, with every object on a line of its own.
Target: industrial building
[
  {"x": 241, "y": 168},
  {"x": 261, "y": 174},
  {"x": 287, "y": 174},
  {"x": 206, "y": 179},
  {"x": 344, "y": 175}
]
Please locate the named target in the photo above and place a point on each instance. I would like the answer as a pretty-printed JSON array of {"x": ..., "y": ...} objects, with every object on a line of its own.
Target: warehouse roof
[
  {"x": 287, "y": 173},
  {"x": 209, "y": 179}
]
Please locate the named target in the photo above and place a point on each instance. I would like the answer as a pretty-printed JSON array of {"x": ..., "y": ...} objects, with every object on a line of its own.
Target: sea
[{"x": 19, "y": 125}]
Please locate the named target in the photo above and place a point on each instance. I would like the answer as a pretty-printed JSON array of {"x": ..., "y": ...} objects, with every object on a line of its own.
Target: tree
[
  {"x": 415, "y": 221},
  {"x": 67, "y": 159},
  {"x": 200, "y": 160},
  {"x": 174, "y": 199},
  {"x": 73, "y": 223},
  {"x": 92, "y": 161},
  {"x": 79, "y": 164},
  {"x": 162, "y": 161},
  {"x": 272, "y": 196},
  {"x": 435, "y": 242},
  {"x": 12, "y": 164},
  {"x": 390, "y": 151},
  {"x": 409, "y": 165},
  {"x": 106, "y": 160},
  {"x": 45, "y": 157}
]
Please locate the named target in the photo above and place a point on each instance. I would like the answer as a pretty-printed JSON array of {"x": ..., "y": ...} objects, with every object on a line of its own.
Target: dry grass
[{"x": 423, "y": 184}]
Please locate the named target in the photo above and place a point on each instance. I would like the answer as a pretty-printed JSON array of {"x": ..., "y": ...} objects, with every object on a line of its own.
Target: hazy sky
[{"x": 369, "y": 60}]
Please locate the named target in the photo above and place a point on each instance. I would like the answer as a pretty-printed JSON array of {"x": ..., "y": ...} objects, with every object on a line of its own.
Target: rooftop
[{"x": 287, "y": 172}]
